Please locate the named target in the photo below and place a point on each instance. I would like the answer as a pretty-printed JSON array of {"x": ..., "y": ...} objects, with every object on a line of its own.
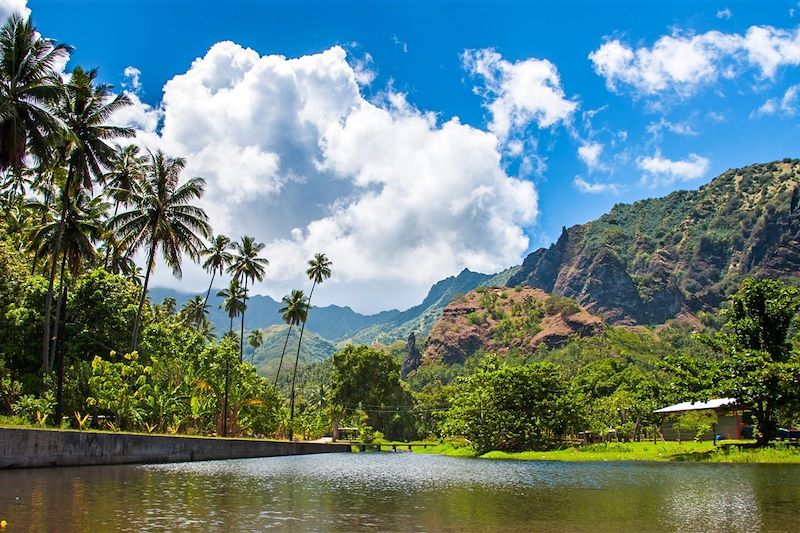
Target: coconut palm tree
[
  {"x": 293, "y": 312},
  {"x": 217, "y": 258},
  {"x": 162, "y": 216},
  {"x": 83, "y": 107},
  {"x": 319, "y": 269},
  {"x": 29, "y": 87},
  {"x": 248, "y": 266},
  {"x": 195, "y": 311},
  {"x": 125, "y": 171},
  {"x": 233, "y": 303},
  {"x": 255, "y": 340}
]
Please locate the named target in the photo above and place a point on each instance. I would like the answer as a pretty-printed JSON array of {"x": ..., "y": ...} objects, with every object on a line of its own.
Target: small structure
[{"x": 732, "y": 418}]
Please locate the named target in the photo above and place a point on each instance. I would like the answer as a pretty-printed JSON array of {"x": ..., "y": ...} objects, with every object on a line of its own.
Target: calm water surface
[{"x": 402, "y": 492}]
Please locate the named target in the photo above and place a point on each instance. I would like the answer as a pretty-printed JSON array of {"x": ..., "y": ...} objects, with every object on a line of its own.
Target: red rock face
[{"x": 500, "y": 319}]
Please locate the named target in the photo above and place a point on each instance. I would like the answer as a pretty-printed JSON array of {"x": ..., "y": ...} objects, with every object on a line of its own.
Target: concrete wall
[{"x": 21, "y": 448}]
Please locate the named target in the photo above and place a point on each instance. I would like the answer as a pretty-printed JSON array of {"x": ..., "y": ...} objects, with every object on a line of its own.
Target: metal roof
[{"x": 698, "y": 406}]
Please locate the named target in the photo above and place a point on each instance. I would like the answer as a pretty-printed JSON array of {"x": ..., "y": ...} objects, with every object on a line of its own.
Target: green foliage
[
  {"x": 698, "y": 423},
  {"x": 35, "y": 409},
  {"x": 513, "y": 408}
]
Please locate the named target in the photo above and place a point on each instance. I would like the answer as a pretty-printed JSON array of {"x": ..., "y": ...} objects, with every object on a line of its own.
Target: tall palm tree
[
  {"x": 255, "y": 340},
  {"x": 319, "y": 269},
  {"x": 29, "y": 87},
  {"x": 217, "y": 258},
  {"x": 83, "y": 107},
  {"x": 233, "y": 303},
  {"x": 162, "y": 216},
  {"x": 83, "y": 226},
  {"x": 125, "y": 171},
  {"x": 194, "y": 311},
  {"x": 248, "y": 266},
  {"x": 293, "y": 312}
]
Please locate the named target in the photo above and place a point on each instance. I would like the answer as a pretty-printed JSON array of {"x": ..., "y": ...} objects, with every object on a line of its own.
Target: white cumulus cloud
[
  {"x": 520, "y": 93},
  {"x": 724, "y": 13},
  {"x": 787, "y": 105},
  {"x": 590, "y": 154},
  {"x": 296, "y": 156},
  {"x": 660, "y": 170},
  {"x": 595, "y": 188},
  {"x": 8, "y": 7},
  {"x": 684, "y": 63}
]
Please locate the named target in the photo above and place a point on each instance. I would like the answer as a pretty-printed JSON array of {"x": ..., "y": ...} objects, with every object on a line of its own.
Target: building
[{"x": 733, "y": 419}]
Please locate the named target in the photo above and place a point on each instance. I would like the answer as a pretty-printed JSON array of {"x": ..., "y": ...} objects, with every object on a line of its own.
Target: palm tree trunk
[
  {"x": 241, "y": 337},
  {"x": 296, "y": 360},
  {"x": 227, "y": 386},
  {"x": 150, "y": 261},
  {"x": 59, "y": 305},
  {"x": 61, "y": 326},
  {"x": 48, "y": 306},
  {"x": 108, "y": 247},
  {"x": 44, "y": 219},
  {"x": 208, "y": 293},
  {"x": 280, "y": 364}
]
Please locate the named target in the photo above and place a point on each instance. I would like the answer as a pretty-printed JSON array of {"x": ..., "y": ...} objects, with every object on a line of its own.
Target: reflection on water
[{"x": 402, "y": 492}]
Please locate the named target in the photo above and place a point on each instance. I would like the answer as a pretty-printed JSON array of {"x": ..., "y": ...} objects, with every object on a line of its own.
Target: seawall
[{"x": 26, "y": 448}]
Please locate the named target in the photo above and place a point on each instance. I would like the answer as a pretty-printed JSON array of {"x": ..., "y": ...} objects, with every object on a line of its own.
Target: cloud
[
  {"x": 132, "y": 81},
  {"x": 402, "y": 44},
  {"x": 683, "y": 64},
  {"x": 662, "y": 171},
  {"x": 595, "y": 188},
  {"x": 8, "y": 7},
  {"x": 678, "y": 128},
  {"x": 786, "y": 106},
  {"x": 518, "y": 94},
  {"x": 294, "y": 155},
  {"x": 590, "y": 154},
  {"x": 724, "y": 13}
]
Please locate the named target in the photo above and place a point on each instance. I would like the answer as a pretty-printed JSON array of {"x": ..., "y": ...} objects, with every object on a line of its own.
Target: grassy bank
[{"x": 705, "y": 452}]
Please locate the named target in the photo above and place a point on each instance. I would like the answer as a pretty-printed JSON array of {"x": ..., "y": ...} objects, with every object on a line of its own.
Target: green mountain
[
  {"x": 267, "y": 357},
  {"x": 656, "y": 259}
]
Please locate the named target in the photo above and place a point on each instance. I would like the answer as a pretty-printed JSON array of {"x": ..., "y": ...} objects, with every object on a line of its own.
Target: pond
[{"x": 402, "y": 492}]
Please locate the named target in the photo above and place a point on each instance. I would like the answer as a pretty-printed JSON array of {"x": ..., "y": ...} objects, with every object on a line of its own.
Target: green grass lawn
[{"x": 692, "y": 451}]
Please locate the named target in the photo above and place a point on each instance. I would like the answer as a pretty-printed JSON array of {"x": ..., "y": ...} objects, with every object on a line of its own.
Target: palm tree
[
  {"x": 248, "y": 266},
  {"x": 29, "y": 87},
  {"x": 319, "y": 269},
  {"x": 217, "y": 258},
  {"x": 126, "y": 168},
  {"x": 163, "y": 217},
  {"x": 233, "y": 303},
  {"x": 293, "y": 312},
  {"x": 83, "y": 107},
  {"x": 255, "y": 340},
  {"x": 83, "y": 226},
  {"x": 195, "y": 311}
]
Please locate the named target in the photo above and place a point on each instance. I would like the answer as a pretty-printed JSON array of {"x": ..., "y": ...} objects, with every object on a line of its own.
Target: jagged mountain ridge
[{"x": 655, "y": 259}]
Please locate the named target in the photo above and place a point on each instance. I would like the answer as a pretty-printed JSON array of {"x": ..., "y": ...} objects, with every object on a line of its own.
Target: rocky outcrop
[
  {"x": 648, "y": 262},
  {"x": 413, "y": 357},
  {"x": 503, "y": 320}
]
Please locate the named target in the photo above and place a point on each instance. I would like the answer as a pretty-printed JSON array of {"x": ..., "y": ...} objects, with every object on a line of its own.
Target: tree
[
  {"x": 125, "y": 171},
  {"x": 248, "y": 266},
  {"x": 293, "y": 312},
  {"x": 195, "y": 311},
  {"x": 233, "y": 303},
  {"x": 760, "y": 369},
  {"x": 83, "y": 107},
  {"x": 29, "y": 87},
  {"x": 163, "y": 217},
  {"x": 368, "y": 379},
  {"x": 319, "y": 269},
  {"x": 507, "y": 408},
  {"x": 255, "y": 340},
  {"x": 217, "y": 258}
]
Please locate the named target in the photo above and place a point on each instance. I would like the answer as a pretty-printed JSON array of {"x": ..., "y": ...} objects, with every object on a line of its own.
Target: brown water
[{"x": 402, "y": 492}]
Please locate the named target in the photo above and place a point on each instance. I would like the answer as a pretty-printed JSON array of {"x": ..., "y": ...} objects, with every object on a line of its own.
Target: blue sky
[{"x": 589, "y": 104}]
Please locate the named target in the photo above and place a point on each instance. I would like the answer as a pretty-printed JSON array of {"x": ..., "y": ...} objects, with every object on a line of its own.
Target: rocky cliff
[
  {"x": 502, "y": 320},
  {"x": 656, "y": 259}
]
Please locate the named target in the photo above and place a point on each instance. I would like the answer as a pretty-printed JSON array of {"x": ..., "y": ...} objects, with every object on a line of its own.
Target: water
[{"x": 402, "y": 492}]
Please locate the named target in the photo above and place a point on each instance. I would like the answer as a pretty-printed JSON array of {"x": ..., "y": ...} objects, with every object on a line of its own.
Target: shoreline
[{"x": 686, "y": 452}]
